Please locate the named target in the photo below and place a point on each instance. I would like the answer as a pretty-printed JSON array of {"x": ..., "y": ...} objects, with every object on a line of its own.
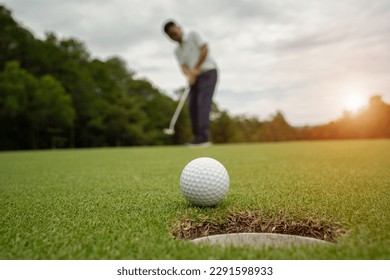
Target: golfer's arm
[{"x": 202, "y": 56}]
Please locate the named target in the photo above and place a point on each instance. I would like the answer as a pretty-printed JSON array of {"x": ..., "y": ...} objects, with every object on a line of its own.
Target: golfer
[{"x": 199, "y": 67}]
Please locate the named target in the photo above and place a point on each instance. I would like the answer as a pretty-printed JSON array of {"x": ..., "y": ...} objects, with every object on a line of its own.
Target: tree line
[
  {"x": 372, "y": 121},
  {"x": 54, "y": 94}
]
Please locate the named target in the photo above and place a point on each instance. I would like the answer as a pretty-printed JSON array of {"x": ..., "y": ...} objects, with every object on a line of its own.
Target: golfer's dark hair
[{"x": 168, "y": 25}]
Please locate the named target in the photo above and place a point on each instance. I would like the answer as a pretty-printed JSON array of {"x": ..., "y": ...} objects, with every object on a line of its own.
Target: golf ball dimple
[{"x": 204, "y": 181}]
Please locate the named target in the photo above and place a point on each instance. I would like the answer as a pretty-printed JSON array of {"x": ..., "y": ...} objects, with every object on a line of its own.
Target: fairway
[{"x": 125, "y": 203}]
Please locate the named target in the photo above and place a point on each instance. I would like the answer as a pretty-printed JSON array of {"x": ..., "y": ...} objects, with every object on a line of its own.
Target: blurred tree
[
  {"x": 278, "y": 129},
  {"x": 51, "y": 113},
  {"x": 16, "y": 90},
  {"x": 375, "y": 120},
  {"x": 251, "y": 129},
  {"x": 15, "y": 42},
  {"x": 16, "y": 86},
  {"x": 223, "y": 130},
  {"x": 32, "y": 111}
]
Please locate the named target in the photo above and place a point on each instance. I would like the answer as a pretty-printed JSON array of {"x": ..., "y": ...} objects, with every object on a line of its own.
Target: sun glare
[{"x": 353, "y": 102}]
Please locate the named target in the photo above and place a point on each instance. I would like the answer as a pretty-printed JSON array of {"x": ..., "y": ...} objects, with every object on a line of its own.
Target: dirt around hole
[{"x": 256, "y": 221}]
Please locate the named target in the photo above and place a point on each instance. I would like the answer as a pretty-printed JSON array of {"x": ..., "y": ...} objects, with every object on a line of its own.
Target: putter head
[{"x": 168, "y": 131}]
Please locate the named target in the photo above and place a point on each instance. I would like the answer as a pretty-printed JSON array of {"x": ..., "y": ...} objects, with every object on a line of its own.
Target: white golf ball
[{"x": 204, "y": 181}]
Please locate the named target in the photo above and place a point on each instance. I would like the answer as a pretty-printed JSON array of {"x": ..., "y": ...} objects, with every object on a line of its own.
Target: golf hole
[
  {"x": 256, "y": 229},
  {"x": 257, "y": 239}
]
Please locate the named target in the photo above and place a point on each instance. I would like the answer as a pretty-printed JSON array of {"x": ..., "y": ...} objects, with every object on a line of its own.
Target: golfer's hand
[
  {"x": 193, "y": 76},
  {"x": 196, "y": 71},
  {"x": 192, "y": 79}
]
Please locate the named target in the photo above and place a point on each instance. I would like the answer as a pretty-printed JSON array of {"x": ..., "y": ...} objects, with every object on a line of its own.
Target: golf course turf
[{"x": 125, "y": 203}]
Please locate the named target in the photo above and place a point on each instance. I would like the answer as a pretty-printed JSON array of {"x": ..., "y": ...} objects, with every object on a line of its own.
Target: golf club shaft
[{"x": 179, "y": 108}]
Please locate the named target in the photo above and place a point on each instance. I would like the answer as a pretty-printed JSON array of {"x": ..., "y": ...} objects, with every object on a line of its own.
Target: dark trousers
[{"x": 200, "y": 100}]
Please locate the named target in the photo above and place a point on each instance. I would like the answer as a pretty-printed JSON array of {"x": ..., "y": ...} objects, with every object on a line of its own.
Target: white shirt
[{"x": 187, "y": 52}]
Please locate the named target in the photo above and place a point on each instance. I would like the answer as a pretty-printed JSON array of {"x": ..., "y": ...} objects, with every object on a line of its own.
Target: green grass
[{"x": 123, "y": 203}]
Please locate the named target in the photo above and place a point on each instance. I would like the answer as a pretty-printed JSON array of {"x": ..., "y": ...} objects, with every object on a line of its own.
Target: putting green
[{"x": 124, "y": 203}]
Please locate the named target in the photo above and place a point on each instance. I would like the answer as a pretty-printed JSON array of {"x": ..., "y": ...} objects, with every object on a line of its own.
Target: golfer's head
[{"x": 173, "y": 31}]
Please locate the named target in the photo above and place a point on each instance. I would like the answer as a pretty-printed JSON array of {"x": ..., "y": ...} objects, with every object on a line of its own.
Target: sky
[{"x": 311, "y": 60}]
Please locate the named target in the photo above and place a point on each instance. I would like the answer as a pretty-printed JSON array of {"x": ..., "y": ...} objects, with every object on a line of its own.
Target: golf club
[{"x": 171, "y": 129}]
